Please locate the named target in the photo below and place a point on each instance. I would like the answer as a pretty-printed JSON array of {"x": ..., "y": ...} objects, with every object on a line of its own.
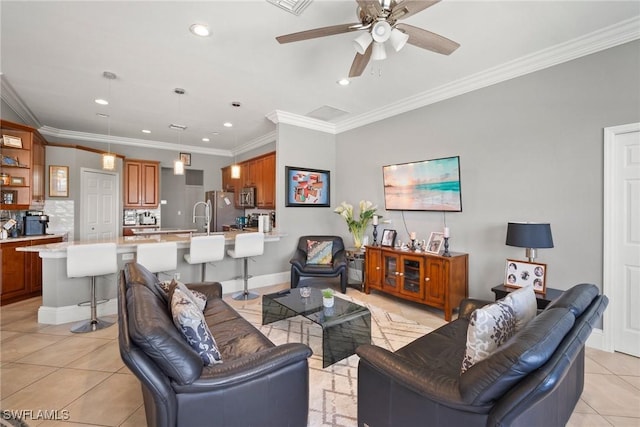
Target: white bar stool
[
  {"x": 158, "y": 257},
  {"x": 247, "y": 245},
  {"x": 205, "y": 249},
  {"x": 90, "y": 261}
]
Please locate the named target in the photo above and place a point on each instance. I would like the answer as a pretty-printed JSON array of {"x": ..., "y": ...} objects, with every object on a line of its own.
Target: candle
[
  {"x": 375, "y": 220},
  {"x": 413, "y": 235},
  {"x": 446, "y": 232}
]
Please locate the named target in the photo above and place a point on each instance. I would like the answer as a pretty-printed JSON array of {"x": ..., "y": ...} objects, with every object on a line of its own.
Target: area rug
[{"x": 333, "y": 390}]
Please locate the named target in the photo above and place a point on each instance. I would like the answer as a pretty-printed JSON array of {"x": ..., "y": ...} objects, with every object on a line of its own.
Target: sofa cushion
[
  {"x": 489, "y": 327},
  {"x": 189, "y": 319},
  {"x": 319, "y": 252},
  {"x": 576, "y": 299},
  {"x": 525, "y": 352},
  {"x": 524, "y": 304}
]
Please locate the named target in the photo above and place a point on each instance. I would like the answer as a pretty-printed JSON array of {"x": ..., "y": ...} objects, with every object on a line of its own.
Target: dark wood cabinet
[
  {"x": 259, "y": 172},
  {"x": 140, "y": 184},
  {"x": 434, "y": 280},
  {"x": 21, "y": 271}
]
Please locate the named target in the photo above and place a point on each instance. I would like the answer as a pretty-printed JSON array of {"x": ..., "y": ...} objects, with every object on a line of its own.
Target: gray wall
[{"x": 531, "y": 149}]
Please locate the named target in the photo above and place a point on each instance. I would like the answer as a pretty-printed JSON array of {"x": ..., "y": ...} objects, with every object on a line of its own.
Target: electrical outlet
[
  {"x": 176, "y": 275},
  {"x": 127, "y": 257}
]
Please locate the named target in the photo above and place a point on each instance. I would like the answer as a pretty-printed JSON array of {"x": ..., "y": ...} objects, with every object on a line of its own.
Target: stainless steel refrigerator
[{"x": 223, "y": 209}]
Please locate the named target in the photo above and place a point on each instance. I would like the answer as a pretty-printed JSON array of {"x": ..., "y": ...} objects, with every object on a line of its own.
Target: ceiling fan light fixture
[
  {"x": 362, "y": 42},
  {"x": 379, "y": 52},
  {"x": 381, "y": 31},
  {"x": 398, "y": 39}
]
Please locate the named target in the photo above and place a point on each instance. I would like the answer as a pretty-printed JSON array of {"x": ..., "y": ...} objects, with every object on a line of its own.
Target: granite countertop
[{"x": 31, "y": 238}]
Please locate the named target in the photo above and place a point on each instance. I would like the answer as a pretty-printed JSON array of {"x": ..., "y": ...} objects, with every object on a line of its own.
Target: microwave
[{"x": 247, "y": 197}]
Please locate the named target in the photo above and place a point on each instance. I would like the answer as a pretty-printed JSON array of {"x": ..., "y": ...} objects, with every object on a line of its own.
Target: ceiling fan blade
[
  {"x": 360, "y": 62},
  {"x": 319, "y": 32},
  {"x": 428, "y": 40},
  {"x": 371, "y": 8},
  {"x": 407, "y": 8}
]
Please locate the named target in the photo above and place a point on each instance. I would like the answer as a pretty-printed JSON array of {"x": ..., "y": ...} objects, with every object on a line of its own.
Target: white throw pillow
[
  {"x": 489, "y": 327},
  {"x": 524, "y": 304}
]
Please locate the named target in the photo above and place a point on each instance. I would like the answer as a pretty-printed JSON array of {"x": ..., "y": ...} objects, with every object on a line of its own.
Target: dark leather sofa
[
  {"x": 534, "y": 379},
  {"x": 338, "y": 266},
  {"x": 258, "y": 383}
]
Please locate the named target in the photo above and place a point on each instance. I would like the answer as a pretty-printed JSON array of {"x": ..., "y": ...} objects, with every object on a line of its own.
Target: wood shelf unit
[{"x": 433, "y": 280}]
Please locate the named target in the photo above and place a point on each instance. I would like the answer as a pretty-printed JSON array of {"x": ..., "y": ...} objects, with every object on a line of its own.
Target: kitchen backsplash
[{"x": 61, "y": 217}]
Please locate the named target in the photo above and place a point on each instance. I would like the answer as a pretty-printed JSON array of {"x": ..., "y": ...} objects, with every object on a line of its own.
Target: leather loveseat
[
  {"x": 257, "y": 383},
  {"x": 534, "y": 379}
]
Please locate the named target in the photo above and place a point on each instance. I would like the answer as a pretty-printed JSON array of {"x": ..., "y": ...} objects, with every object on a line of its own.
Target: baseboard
[
  {"x": 596, "y": 340},
  {"x": 236, "y": 285},
  {"x": 74, "y": 313}
]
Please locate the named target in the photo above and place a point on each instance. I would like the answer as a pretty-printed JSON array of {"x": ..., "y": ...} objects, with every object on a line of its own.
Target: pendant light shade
[
  {"x": 178, "y": 167},
  {"x": 381, "y": 31},
  {"x": 235, "y": 171},
  {"x": 379, "y": 53},
  {"x": 398, "y": 39},
  {"x": 362, "y": 42},
  {"x": 108, "y": 161}
]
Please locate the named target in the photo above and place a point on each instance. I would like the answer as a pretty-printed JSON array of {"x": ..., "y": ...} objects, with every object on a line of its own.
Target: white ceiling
[{"x": 54, "y": 53}]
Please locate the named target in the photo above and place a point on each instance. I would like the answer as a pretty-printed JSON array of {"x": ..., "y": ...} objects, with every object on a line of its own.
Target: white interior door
[
  {"x": 622, "y": 237},
  {"x": 99, "y": 205}
]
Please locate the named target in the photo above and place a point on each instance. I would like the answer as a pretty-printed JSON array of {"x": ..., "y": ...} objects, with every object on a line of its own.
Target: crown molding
[
  {"x": 608, "y": 37},
  {"x": 255, "y": 143},
  {"x": 279, "y": 116},
  {"x": 134, "y": 142},
  {"x": 9, "y": 95}
]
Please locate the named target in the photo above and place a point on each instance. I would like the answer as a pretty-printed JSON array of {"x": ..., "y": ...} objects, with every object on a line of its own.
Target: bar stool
[
  {"x": 247, "y": 245},
  {"x": 158, "y": 257},
  {"x": 205, "y": 249},
  {"x": 92, "y": 260}
]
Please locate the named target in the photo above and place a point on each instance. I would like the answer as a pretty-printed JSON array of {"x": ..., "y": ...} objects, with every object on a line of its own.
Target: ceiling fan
[{"x": 379, "y": 19}]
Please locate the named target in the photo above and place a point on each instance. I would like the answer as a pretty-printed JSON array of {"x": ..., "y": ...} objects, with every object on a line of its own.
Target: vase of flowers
[{"x": 357, "y": 226}]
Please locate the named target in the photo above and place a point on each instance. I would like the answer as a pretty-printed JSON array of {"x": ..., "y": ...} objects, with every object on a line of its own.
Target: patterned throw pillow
[
  {"x": 198, "y": 297},
  {"x": 189, "y": 319},
  {"x": 489, "y": 327},
  {"x": 524, "y": 304},
  {"x": 319, "y": 252}
]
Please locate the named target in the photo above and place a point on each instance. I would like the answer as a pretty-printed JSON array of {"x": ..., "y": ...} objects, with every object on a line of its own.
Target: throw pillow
[
  {"x": 197, "y": 297},
  {"x": 524, "y": 304},
  {"x": 489, "y": 328},
  {"x": 189, "y": 319},
  {"x": 319, "y": 252}
]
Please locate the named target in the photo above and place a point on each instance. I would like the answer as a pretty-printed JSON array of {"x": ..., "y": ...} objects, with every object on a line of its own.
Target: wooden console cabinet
[{"x": 437, "y": 281}]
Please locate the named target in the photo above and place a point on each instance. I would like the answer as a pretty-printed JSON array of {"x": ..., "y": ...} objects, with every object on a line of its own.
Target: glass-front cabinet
[{"x": 402, "y": 273}]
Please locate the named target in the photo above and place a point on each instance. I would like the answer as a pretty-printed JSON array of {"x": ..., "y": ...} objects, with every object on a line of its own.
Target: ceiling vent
[
  {"x": 174, "y": 126},
  {"x": 326, "y": 113},
  {"x": 292, "y": 6}
]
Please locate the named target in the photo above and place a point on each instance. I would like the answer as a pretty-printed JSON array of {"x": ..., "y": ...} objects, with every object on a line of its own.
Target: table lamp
[{"x": 530, "y": 235}]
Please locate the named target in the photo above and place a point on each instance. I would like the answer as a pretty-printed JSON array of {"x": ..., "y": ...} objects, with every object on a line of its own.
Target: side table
[
  {"x": 543, "y": 300},
  {"x": 356, "y": 261}
]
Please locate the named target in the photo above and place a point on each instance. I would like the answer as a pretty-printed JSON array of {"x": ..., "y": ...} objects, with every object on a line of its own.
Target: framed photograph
[
  {"x": 186, "y": 158},
  {"x": 522, "y": 273},
  {"x": 11, "y": 141},
  {"x": 17, "y": 180},
  {"x": 388, "y": 238},
  {"x": 435, "y": 242},
  {"x": 59, "y": 181},
  {"x": 307, "y": 187}
]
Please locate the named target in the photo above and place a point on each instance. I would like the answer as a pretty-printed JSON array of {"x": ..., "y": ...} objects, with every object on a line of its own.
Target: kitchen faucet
[{"x": 207, "y": 214}]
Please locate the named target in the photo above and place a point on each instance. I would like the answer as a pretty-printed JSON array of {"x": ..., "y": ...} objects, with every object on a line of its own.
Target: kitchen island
[{"x": 61, "y": 295}]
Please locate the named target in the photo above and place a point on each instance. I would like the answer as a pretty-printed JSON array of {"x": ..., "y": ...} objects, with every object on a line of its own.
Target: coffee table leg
[
  {"x": 341, "y": 339},
  {"x": 273, "y": 312}
]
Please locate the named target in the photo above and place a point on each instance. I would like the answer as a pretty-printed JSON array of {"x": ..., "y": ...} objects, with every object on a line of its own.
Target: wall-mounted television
[{"x": 427, "y": 185}]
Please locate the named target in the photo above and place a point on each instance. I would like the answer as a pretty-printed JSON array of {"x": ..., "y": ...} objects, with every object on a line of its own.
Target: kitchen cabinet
[
  {"x": 141, "y": 184},
  {"x": 22, "y": 167},
  {"x": 433, "y": 280},
  {"x": 266, "y": 187},
  {"x": 21, "y": 271},
  {"x": 228, "y": 183}
]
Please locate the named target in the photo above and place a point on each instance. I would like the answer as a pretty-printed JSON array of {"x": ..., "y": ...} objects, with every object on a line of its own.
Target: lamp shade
[
  {"x": 178, "y": 167},
  {"x": 529, "y": 235},
  {"x": 398, "y": 39},
  {"x": 362, "y": 42},
  {"x": 378, "y": 53}
]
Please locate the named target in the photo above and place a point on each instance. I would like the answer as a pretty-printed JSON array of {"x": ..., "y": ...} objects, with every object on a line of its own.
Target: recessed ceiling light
[
  {"x": 101, "y": 101},
  {"x": 205, "y": 140},
  {"x": 344, "y": 82},
  {"x": 200, "y": 30},
  {"x": 227, "y": 124},
  {"x": 146, "y": 131}
]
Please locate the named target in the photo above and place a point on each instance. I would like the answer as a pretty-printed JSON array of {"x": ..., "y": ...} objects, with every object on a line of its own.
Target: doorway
[
  {"x": 99, "y": 197},
  {"x": 621, "y": 259}
]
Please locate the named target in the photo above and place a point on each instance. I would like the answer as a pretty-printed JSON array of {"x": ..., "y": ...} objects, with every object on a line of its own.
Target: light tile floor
[{"x": 82, "y": 377}]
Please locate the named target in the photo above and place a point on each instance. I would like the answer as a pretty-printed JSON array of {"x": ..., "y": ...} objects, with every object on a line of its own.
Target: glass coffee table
[{"x": 345, "y": 326}]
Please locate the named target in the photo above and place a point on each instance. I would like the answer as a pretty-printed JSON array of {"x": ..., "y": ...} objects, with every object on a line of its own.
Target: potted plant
[{"x": 327, "y": 297}]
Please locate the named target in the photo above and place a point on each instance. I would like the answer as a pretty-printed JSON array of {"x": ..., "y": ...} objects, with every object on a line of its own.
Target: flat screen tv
[{"x": 427, "y": 185}]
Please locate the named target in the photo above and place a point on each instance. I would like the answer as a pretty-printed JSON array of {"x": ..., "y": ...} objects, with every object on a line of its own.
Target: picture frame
[
  {"x": 307, "y": 187},
  {"x": 388, "y": 237},
  {"x": 9, "y": 197},
  {"x": 435, "y": 242},
  {"x": 58, "y": 181},
  {"x": 17, "y": 180},
  {"x": 518, "y": 274},
  {"x": 11, "y": 141},
  {"x": 186, "y": 158}
]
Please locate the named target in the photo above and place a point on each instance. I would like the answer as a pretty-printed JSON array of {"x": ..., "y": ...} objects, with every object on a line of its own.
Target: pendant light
[
  {"x": 178, "y": 165},
  {"x": 235, "y": 167},
  {"x": 108, "y": 158}
]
